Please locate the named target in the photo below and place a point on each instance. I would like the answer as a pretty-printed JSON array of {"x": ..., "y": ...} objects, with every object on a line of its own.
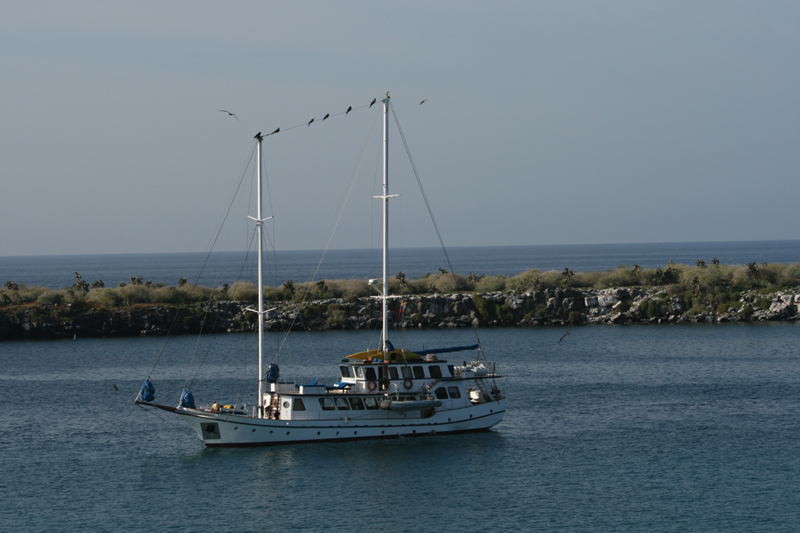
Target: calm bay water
[
  {"x": 57, "y": 272},
  {"x": 638, "y": 428}
]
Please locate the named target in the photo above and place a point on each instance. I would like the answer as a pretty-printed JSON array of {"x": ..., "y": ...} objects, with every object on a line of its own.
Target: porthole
[
  {"x": 286, "y": 404},
  {"x": 235, "y": 427},
  {"x": 337, "y": 432},
  {"x": 270, "y": 432},
  {"x": 254, "y": 430},
  {"x": 355, "y": 433},
  {"x": 317, "y": 432},
  {"x": 288, "y": 432}
]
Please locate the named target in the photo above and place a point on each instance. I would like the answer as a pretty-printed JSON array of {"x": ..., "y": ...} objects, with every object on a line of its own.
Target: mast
[
  {"x": 259, "y": 234},
  {"x": 385, "y": 306},
  {"x": 259, "y": 229}
]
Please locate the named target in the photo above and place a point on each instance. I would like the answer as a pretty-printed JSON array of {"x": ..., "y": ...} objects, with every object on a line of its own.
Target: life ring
[
  {"x": 407, "y": 384},
  {"x": 371, "y": 385}
]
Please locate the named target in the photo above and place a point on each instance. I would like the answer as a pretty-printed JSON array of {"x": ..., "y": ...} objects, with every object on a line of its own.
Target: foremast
[{"x": 261, "y": 313}]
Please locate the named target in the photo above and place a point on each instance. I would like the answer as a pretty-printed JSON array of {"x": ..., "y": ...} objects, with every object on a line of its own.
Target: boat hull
[{"x": 225, "y": 430}]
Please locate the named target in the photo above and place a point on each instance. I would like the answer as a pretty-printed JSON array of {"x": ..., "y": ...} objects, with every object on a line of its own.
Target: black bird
[
  {"x": 325, "y": 117},
  {"x": 565, "y": 334},
  {"x": 373, "y": 102},
  {"x": 276, "y": 131},
  {"x": 309, "y": 122},
  {"x": 258, "y": 135},
  {"x": 422, "y": 102},
  {"x": 228, "y": 112},
  {"x": 348, "y": 110}
]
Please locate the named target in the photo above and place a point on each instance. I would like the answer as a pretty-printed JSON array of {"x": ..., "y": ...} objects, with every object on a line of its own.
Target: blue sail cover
[
  {"x": 273, "y": 373},
  {"x": 148, "y": 391},
  {"x": 451, "y": 349},
  {"x": 187, "y": 400}
]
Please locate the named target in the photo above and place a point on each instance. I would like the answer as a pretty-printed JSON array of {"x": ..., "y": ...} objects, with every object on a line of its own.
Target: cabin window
[
  {"x": 299, "y": 405},
  {"x": 356, "y": 403},
  {"x": 369, "y": 373},
  {"x": 406, "y": 372},
  {"x": 341, "y": 403},
  {"x": 371, "y": 403},
  {"x": 359, "y": 372},
  {"x": 327, "y": 404},
  {"x": 383, "y": 372},
  {"x": 436, "y": 371},
  {"x": 347, "y": 372},
  {"x": 454, "y": 392},
  {"x": 419, "y": 372},
  {"x": 441, "y": 393},
  {"x": 452, "y": 370},
  {"x": 393, "y": 372}
]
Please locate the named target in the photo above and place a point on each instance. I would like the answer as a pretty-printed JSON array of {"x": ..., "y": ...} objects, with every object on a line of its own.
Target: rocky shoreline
[{"x": 549, "y": 307}]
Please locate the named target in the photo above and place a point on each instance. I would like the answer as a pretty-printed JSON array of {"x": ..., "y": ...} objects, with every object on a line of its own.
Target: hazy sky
[{"x": 557, "y": 122}]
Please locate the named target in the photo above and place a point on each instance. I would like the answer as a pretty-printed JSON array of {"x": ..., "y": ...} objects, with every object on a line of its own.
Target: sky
[{"x": 552, "y": 122}]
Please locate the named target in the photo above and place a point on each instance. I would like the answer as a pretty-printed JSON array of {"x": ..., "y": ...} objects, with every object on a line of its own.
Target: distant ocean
[{"x": 219, "y": 268}]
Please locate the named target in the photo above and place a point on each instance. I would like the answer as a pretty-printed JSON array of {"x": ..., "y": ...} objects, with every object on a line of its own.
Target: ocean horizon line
[{"x": 468, "y": 247}]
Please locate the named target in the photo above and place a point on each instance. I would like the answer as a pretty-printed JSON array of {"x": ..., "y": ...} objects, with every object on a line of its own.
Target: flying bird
[
  {"x": 325, "y": 117},
  {"x": 348, "y": 110},
  {"x": 228, "y": 112},
  {"x": 115, "y": 387},
  {"x": 309, "y": 122},
  {"x": 565, "y": 334},
  {"x": 373, "y": 102},
  {"x": 422, "y": 102}
]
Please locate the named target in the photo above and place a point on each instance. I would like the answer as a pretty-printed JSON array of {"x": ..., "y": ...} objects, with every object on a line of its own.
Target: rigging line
[
  {"x": 227, "y": 212},
  {"x": 333, "y": 230},
  {"x": 422, "y": 190},
  {"x": 205, "y": 262},
  {"x": 313, "y": 120},
  {"x": 202, "y": 268},
  {"x": 208, "y": 349}
]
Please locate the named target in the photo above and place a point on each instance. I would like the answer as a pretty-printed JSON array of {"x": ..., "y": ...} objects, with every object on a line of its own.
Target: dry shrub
[
  {"x": 243, "y": 291},
  {"x": 196, "y": 293},
  {"x": 491, "y": 284}
]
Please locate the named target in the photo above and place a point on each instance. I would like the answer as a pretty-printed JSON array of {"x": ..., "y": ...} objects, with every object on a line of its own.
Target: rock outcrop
[{"x": 538, "y": 308}]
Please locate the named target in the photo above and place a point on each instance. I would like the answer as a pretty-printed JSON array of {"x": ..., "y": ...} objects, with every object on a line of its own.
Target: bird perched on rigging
[
  {"x": 309, "y": 122},
  {"x": 276, "y": 131},
  {"x": 228, "y": 112},
  {"x": 348, "y": 110},
  {"x": 373, "y": 102},
  {"x": 325, "y": 117}
]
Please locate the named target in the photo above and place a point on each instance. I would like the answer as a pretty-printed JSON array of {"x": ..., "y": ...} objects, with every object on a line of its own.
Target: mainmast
[
  {"x": 385, "y": 198},
  {"x": 385, "y": 307}
]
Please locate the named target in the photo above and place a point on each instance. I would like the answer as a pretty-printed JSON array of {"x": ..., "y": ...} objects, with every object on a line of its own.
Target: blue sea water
[
  {"x": 219, "y": 268},
  {"x": 616, "y": 428}
]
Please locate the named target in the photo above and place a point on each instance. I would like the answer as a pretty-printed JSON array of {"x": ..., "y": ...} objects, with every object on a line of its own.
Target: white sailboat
[{"x": 380, "y": 393}]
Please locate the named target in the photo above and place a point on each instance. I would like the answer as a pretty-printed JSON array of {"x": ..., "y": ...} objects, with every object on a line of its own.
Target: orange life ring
[
  {"x": 371, "y": 386},
  {"x": 408, "y": 384}
]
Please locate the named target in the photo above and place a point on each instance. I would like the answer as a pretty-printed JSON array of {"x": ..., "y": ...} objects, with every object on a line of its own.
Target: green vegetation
[{"x": 702, "y": 286}]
